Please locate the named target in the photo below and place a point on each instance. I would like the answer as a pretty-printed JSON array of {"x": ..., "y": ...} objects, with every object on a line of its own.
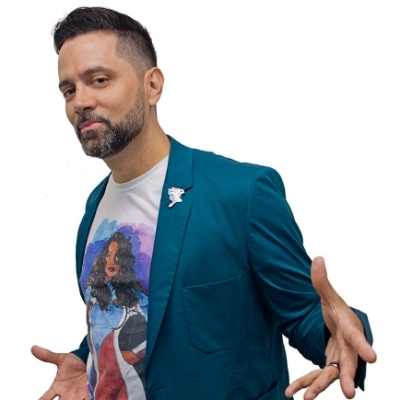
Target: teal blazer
[{"x": 229, "y": 276}]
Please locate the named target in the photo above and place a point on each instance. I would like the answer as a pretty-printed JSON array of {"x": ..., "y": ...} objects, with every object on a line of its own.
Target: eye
[
  {"x": 68, "y": 92},
  {"x": 100, "y": 81}
]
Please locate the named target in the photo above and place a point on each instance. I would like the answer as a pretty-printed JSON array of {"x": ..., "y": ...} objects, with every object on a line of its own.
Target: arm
[
  {"x": 281, "y": 267},
  {"x": 281, "y": 270}
]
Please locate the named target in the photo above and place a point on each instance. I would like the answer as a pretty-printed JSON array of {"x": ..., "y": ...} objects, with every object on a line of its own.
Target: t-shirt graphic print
[{"x": 114, "y": 279}]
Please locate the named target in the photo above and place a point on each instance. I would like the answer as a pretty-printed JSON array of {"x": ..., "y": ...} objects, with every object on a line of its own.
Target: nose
[{"x": 83, "y": 100}]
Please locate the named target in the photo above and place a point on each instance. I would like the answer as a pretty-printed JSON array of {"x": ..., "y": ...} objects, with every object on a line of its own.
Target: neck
[{"x": 143, "y": 153}]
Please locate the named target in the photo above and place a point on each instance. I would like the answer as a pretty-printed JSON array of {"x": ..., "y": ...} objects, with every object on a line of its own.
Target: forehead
[
  {"x": 113, "y": 246},
  {"x": 82, "y": 51}
]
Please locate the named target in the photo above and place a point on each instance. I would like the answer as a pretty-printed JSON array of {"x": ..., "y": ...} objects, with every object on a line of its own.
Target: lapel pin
[{"x": 175, "y": 195}]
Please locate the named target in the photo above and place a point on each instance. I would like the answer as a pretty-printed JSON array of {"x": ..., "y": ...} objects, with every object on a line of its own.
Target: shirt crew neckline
[{"x": 140, "y": 180}]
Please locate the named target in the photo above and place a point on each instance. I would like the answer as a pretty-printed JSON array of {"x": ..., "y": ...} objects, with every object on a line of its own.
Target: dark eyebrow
[{"x": 86, "y": 73}]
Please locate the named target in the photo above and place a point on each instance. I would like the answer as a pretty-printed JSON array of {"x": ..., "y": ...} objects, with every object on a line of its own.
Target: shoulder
[{"x": 244, "y": 175}]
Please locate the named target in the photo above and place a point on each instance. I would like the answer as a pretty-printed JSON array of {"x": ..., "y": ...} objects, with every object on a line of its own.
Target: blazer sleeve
[
  {"x": 83, "y": 351},
  {"x": 281, "y": 269}
]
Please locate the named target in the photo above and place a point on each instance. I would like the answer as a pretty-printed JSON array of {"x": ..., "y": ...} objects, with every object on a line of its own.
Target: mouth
[{"x": 89, "y": 125}]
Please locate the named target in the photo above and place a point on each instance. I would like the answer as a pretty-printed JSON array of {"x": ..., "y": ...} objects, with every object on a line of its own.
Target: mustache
[{"x": 87, "y": 116}]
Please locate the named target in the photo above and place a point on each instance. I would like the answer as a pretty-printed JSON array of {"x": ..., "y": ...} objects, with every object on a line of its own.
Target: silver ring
[{"x": 334, "y": 364}]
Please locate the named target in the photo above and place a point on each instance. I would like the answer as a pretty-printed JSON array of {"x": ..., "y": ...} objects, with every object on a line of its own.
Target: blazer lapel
[{"x": 170, "y": 233}]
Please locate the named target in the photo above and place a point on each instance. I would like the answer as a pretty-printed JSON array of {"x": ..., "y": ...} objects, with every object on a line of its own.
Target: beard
[{"x": 116, "y": 136}]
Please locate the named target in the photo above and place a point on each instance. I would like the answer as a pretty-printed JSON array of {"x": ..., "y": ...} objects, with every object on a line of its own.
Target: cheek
[
  {"x": 110, "y": 105},
  {"x": 70, "y": 113},
  {"x": 117, "y": 103}
]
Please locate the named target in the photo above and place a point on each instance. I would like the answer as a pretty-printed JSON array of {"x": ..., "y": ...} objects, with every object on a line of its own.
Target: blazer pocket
[
  {"x": 215, "y": 315},
  {"x": 274, "y": 393},
  {"x": 158, "y": 393}
]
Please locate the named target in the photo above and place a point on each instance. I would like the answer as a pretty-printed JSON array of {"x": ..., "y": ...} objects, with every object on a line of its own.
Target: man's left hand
[{"x": 346, "y": 344}]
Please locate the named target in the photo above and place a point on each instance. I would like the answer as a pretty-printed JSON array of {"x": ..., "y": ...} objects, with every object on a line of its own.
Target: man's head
[
  {"x": 108, "y": 76},
  {"x": 134, "y": 42}
]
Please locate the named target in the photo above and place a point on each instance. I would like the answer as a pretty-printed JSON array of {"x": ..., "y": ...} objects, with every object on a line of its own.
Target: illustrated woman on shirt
[{"x": 117, "y": 317}]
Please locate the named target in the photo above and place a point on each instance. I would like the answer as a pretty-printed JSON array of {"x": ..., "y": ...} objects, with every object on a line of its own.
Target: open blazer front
[{"x": 229, "y": 275}]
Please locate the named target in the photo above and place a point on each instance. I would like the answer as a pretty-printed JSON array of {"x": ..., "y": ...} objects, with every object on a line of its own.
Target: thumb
[
  {"x": 319, "y": 279},
  {"x": 45, "y": 355}
]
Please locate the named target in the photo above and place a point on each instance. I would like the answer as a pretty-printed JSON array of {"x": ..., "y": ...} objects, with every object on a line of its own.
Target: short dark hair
[{"x": 134, "y": 41}]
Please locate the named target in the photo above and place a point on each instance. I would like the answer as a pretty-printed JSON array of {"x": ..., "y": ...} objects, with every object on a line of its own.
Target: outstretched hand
[
  {"x": 70, "y": 382},
  {"x": 346, "y": 344}
]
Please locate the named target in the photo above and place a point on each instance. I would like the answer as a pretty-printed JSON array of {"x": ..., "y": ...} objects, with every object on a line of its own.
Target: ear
[{"x": 154, "y": 80}]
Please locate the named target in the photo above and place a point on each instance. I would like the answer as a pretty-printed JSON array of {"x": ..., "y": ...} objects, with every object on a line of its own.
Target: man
[{"x": 217, "y": 256}]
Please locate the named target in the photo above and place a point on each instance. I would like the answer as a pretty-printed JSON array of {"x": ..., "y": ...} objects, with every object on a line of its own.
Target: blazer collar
[{"x": 180, "y": 166}]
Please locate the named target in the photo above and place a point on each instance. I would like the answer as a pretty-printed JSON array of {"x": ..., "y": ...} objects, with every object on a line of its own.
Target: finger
[
  {"x": 44, "y": 354},
  {"x": 367, "y": 353},
  {"x": 327, "y": 376},
  {"x": 320, "y": 281},
  {"x": 49, "y": 395},
  {"x": 356, "y": 338},
  {"x": 331, "y": 302},
  {"x": 301, "y": 383},
  {"x": 347, "y": 386},
  {"x": 348, "y": 366}
]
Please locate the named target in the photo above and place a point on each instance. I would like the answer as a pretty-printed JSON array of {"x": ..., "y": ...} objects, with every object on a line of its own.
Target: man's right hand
[{"x": 70, "y": 382}]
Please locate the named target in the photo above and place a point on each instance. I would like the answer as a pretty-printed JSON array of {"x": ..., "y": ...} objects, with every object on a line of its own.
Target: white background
[{"x": 308, "y": 87}]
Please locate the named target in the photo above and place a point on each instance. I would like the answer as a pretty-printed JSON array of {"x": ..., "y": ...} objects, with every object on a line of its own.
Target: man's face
[{"x": 103, "y": 96}]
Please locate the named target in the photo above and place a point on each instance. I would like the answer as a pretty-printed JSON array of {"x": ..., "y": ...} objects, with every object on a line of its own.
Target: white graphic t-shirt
[{"x": 115, "y": 280}]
